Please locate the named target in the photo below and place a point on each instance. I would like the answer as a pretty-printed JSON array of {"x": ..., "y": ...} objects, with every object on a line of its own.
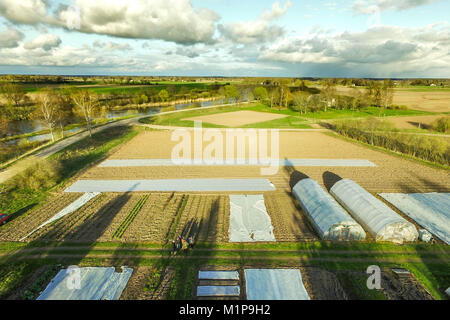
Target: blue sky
[{"x": 325, "y": 38}]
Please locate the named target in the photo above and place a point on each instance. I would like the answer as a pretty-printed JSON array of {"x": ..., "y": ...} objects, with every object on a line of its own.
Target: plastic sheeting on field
[
  {"x": 218, "y": 291},
  {"x": 329, "y": 219},
  {"x": 430, "y": 210},
  {"x": 218, "y": 275},
  {"x": 249, "y": 220},
  {"x": 176, "y": 185},
  {"x": 246, "y": 162},
  {"x": 378, "y": 219},
  {"x": 275, "y": 284},
  {"x": 88, "y": 283},
  {"x": 74, "y": 206}
]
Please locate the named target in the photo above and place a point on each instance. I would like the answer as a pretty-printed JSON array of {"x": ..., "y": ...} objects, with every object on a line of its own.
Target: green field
[{"x": 295, "y": 120}]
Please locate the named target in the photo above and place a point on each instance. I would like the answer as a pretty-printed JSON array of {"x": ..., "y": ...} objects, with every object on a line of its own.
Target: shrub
[
  {"x": 44, "y": 174},
  {"x": 441, "y": 125}
]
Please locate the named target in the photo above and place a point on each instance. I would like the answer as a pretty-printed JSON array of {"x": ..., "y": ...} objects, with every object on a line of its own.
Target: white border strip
[
  {"x": 177, "y": 185},
  {"x": 245, "y": 162}
]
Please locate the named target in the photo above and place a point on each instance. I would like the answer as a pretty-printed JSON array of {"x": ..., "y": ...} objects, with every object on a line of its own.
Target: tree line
[{"x": 381, "y": 133}]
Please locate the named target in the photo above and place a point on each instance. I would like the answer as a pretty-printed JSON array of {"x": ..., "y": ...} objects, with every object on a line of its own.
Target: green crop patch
[{"x": 118, "y": 234}]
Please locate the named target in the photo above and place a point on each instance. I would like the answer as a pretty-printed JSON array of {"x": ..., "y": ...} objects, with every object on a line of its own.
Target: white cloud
[
  {"x": 45, "y": 42},
  {"x": 169, "y": 20},
  {"x": 383, "y": 50},
  {"x": 10, "y": 38},
  {"x": 258, "y": 31},
  {"x": 276, "y": 12},
  {"x": 368, "y": 6},
  {"x": 25, "y": 11},
  {"x": 111, "y": 46}
]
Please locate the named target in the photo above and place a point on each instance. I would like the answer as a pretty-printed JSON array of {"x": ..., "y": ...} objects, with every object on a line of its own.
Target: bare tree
[
  {"x": 47, "y": 111},
  {"x": 301, "y": 102},
  {"x": 86, "y": 104},
  {"x": 329, "y": 91},
  {"x": 387, "y": 93}
]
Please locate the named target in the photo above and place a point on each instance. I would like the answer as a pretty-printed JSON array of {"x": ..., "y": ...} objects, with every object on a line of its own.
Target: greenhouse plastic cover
[
  {"x": 74, "y": 206},
  {"x": 172, "y": 185},
  {"x": 430, "y": 210},
  {"x": 275, "y": 284},
  {"x": 212, "y": 291},
  {"x": 246, "y": 162},
  {"x": 218, "y": 275},
  {"x": 249, "y": 220},
  {"x": 329, "y": 219},
  {"x": 378, "y": 219},
  {"x": 95, "y": 284}
]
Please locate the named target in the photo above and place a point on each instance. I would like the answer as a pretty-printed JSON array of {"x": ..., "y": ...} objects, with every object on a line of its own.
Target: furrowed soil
[
  {"x": 23, "y": 225},
  {"x": 288, "y": 221},
  {"x": 89, "y": 222},
  {"x": 391, "y": 174}
]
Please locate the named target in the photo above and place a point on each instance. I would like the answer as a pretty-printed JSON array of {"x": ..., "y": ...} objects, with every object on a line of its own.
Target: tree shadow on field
[
  {"x": 420, "y": 125},
  {"x": 294, "y": 175},
  {"x": 49, "y": 247},
  {"x": 330, "y": 179}
]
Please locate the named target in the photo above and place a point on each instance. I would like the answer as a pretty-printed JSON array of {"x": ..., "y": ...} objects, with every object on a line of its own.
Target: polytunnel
[
  {"x": 328, "y": 218},
  {"x": 378, "y": 219}
]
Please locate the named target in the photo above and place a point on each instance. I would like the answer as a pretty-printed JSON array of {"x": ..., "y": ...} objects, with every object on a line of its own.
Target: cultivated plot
[{"x": 390, "y": 174}]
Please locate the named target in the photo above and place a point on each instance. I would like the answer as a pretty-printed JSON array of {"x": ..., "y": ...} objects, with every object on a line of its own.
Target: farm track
[
  {"x": 22, "y": 226},
  {"x": 293, "y": 258},
  {"x": 63, "y": 248}
]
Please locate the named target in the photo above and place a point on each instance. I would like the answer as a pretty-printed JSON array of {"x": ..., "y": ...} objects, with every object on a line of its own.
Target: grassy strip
[
  {"x": 285, "y": 246},
  {"x": 293, "y": 121},
  {"x": 130, "y": 217}
]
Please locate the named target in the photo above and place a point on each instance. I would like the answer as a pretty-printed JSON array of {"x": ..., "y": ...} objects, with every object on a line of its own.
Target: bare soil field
[
  {"x": 391, "y": 174},
  {"x": 423, "y": 122},
  {"x": 438, "y": 101},
  {"x": 238, "y": 118},
  {"x": 433, "y": 101},
  {"x": 23, "y": 225}
]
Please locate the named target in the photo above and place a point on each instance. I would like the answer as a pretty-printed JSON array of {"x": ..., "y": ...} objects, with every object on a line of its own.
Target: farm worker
[
  {"x": 185, "y": 244},
  {"x": 178, "y": 243},
  {"x": 191, "y": 242},
  {"x": 174, "y": 246}
]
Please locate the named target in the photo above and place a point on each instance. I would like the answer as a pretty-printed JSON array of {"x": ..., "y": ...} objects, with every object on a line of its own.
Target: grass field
[{"x": 292, "y": 120}]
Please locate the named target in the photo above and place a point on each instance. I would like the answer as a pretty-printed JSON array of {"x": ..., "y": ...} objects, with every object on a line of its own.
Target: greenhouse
[
  {"x": 378, "y": 219},
  {"x": 328, "y": 218}
]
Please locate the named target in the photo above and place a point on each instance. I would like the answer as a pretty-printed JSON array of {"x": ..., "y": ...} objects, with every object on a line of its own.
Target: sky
[{"x": 267, "y": 38}]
